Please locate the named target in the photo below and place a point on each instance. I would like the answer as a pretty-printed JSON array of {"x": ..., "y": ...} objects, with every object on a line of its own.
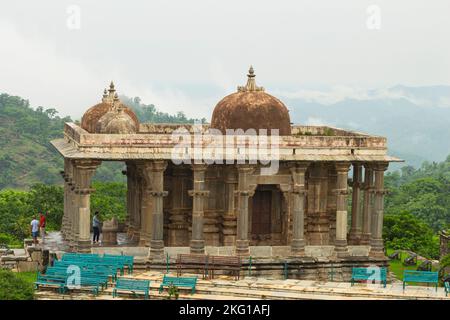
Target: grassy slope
[{"x": 397, "y": 266}]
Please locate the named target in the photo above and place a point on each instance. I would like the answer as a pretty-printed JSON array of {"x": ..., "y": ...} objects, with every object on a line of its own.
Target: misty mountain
[{"x": 415, "y": 120}]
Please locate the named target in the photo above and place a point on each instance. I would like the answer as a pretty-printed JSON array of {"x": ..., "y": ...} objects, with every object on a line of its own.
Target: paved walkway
[{"x": 54, "y": 241}]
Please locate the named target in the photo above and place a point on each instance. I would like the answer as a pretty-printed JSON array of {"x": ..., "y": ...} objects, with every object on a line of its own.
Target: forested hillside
[{"x": 26, "y": 155}]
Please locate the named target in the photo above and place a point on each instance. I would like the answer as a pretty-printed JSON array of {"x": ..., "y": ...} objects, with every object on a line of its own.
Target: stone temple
[{"x": 310, "y": 213}]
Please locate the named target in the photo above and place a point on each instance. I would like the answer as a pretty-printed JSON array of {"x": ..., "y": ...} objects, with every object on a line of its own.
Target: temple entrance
[
  {"x": 266, "y": 207},
  {"x": 262, "y": 204}
]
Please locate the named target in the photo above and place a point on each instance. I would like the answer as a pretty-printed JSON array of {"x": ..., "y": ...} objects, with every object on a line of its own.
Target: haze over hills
[{"x": 415, "y": 120}]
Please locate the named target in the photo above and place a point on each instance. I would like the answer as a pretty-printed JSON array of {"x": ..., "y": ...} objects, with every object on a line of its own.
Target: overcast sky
[{"x": 186, "y": 55}]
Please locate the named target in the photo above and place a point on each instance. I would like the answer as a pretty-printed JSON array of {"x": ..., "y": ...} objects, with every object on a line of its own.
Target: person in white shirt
[{"x": 34, "y": 226}]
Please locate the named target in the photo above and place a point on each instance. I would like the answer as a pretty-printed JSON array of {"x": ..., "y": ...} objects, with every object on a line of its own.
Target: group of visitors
[{"x": 37, "y": 227}]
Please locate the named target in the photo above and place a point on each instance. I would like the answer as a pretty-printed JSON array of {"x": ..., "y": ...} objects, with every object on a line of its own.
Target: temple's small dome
[
  {"x": 91, "y": 118},
  {"x": 251, "y": 108},
  {"x": 121, "y": 123}
]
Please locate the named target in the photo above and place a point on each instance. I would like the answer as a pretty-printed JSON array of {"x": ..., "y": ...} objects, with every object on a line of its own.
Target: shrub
[{"x": 14, "y": 288}]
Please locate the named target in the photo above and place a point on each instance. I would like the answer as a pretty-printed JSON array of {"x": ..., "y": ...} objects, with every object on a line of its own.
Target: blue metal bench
[
  {"x": 51, "y": 280},
  {"x": 369, "y": 274},
  {"x": 184, "y": 282},
  {"x": 421, "y": 277},
  {"x": 132, "y": 285},
  {"x": 125, "y": 260}
]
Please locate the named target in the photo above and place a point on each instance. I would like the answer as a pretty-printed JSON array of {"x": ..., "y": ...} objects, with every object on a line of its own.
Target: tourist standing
[
  {"x": 96, "y": 227},
  {"x": 34, "y": 226},
  {"x": 42, "y": 222}
]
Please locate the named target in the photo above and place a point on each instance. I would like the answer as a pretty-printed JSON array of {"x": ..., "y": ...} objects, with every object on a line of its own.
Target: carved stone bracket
[
  {"x": 340, "y": 192},
  {"x": 198, "y": 193},
  {"x": 159, "y": 193}
]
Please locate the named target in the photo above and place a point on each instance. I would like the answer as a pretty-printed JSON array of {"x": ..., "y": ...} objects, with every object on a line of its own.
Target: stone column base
[
  {"x": 340, "y": 248},
  {"x": 365, "y": 239},
  {"x": 143, "y": 240},
  {"x": 298, "y": 247},
  {"x": 84, "y": 246},
  {"x": 354, "y": 238},
  {"x": 376, "y": 248},
  {"x": 229, "y": 230},
  {"x": 156, "y": 250},
  {"x": 242, "y": 248},
  {"x": 197, "y": 246}
]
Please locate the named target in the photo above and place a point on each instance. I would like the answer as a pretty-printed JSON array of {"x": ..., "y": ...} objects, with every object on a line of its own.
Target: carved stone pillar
[
  {"x": 229, "y": 218},
  {"x": 84, "y": 171},
  {"x": 146, "y": 205},
  {"x": 73, "y": 216},
  {"x": 318, "y": 222},
  {"x": 356, "y": 228},
  {"x": 376, "y": 241},
  {"x": 66, "y": 220},
  {"x": 178, "y": 225},
  {"x": 73, "y": 208},
  {"x": 242, "y": 242},
  {"x": 198, "y": 193},
  {"x": 213, "y": 206},
  {"x": 298, "y": 212},
  {"x": 367, "y": 207},
  {"x": 340, "y": 244},
  {"x": 331, "y": 204},
  {"x": 156, "y": 170},
  {"x": 132, "y": 194}
]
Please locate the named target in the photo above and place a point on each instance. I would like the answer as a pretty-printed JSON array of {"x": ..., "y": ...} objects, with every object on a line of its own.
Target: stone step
[
  {"x": 291, "y": 289},
  {"x": 252, "y": 288},
  {"x": 107, "y": 295}
]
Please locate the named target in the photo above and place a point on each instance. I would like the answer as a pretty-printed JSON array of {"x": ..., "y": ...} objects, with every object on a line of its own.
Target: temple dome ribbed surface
[
  {"x": 251, "y": 108},
  {"x": 95, "y": 119}
]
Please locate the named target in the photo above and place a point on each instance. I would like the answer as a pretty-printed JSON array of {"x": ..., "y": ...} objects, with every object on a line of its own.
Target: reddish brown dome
[
  {"x": 92, "y": 116},
  {"x": 251, "y": 108}
]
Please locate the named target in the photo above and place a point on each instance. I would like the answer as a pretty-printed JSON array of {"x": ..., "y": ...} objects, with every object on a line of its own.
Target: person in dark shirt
[{"x": 96, "y": 227}]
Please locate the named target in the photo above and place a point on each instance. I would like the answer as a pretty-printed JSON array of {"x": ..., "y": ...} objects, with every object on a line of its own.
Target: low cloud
[{"x": 342, "y": 93}]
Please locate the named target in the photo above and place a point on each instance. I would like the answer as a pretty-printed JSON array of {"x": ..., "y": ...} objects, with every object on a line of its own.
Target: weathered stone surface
[
  {"x": 319, "y": 251},
  {"x": 109, "y": 230},
  {"x": 13, "y": 258},
  {"x": 27, "y": 266},
  {"x": 261, "y": 251},
  {"x": 359, "y": 250}
]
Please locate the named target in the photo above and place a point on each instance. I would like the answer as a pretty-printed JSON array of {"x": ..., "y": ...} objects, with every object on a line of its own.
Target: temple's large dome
[
  {"x": 251, "y": 108},
  {"x": 96, "y": 118}
]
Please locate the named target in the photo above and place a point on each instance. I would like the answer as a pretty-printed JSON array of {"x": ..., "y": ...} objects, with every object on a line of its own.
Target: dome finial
[
  {"x": 251, "y": 72},
  {"x": 111, "y": 90},
  {"x": 251, "y": 83}
]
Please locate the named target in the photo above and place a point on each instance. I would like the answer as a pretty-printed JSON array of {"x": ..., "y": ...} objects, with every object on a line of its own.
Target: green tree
[
  {"x": 109, "y": 199},
  {"x": 407, "y": 232}
]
